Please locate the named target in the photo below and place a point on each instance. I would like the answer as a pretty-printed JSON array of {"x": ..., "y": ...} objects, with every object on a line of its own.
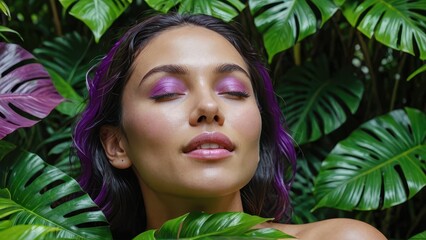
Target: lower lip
[{"x": 209, "y": 154}]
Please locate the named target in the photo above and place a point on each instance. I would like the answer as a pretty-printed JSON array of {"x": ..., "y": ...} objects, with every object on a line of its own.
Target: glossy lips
[{"x": 209, "y": 146}]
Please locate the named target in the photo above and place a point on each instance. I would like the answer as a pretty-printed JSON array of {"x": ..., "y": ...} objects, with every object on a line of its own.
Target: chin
[{"x": 214, "y": 189}]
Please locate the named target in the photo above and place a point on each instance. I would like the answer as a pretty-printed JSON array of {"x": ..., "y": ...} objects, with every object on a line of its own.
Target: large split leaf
[
  {"x": 226, "y": 225},
  {"x": 381, "y": 164},
  {"x": 399, "y": 24},
  {"x": 46, "y": 196},
  {"x": 285, "y": 22},
  {"x": 224, "y": 9},
  {"x": 26, "y": 91},
  {"x": 98, "y": 15},
  {"x": 316, "y": 102}
]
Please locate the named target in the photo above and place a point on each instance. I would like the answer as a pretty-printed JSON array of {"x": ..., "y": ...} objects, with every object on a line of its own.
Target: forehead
[{"x": 188, "y": 45}]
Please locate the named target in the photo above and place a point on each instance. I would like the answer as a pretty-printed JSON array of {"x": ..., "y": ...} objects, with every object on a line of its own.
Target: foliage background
[{"x": 338, "y": 71}]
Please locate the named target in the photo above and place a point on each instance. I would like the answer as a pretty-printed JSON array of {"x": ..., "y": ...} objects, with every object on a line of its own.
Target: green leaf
[
  {"x": 4, "y": 9},
  {"x": 147, "y": 235},
  {"x": 170, "y": 229},
  {"x": 381, "y": 164},
  {"x": 317, "y": 103},
  {"x": 5, "y": 224},
  {"x": 73, "y": 103},
  {"x": 223, "y": 9},
  {"x": 98, "y": 15},
  {"x": 49, "y": 197},
  {"x": 398, "y": 24},
  {"x": 60, "y": 56},
  {"x": 27, "y": 232},
  {"x": 6, "y": 29},
  {"x": 421, "y": 235},
  {"x": 7, "y": 205},
  {"x": 417, "y": 72},
  {"x": 285, "y": 22},
  {"x": 226, "y": 225}
]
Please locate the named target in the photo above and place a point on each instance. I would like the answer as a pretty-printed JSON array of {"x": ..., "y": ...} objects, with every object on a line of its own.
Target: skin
[{"x": 196, "y": 84}]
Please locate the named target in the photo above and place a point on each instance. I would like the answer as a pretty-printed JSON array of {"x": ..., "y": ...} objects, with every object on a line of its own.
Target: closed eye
[
  {"x": 166, "y": 96},
  {"x": 236, "y": 94}
]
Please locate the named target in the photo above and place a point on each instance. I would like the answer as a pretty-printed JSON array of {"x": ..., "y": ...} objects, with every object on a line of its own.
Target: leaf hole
[
  {"x": 14, "y": 88},
  {"x": 399, "y": 37},
  {"x": 297, "y": 28},
  {"x": 268, "y": 6},
  {"x": 34, "y": 177},
  {"x": 363, "y": 14},
  {"x": 315, "y": 10},
  {"x": 92, "y": 224},
  {"x": 398, "y": 169},
  {"x": 372, "y": 134},
  {"x": 416, "y": 49},
  {"x": 373, "y": 156},
  {"x": 410, "y": 130},
  {"x": 51, "y": 185},
  {"x": 23, "y": 113},
  {"x": 382, "y": 193},
  {"x": 18, "y": 65},
  {"x": 391, "y": 132},
  {"x": 360, "y": 199},
  {"x": 78, "y": 211},
  {"x": 66, "y": 198}
]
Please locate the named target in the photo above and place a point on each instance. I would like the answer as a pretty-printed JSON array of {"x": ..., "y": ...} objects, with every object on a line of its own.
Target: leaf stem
[
  {"x": 297, "y": 54},
  {"x": 396, "y": 85},
  {"x": 367, "y": 58},
  {"x": 56, "y": 20}
]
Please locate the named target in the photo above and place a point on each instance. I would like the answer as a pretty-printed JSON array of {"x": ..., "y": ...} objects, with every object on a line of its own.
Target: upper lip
[{"x": 209, "y": 137}]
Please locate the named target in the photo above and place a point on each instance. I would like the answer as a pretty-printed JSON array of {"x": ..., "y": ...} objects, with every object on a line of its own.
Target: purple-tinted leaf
[{"x": 26, "y": 92}]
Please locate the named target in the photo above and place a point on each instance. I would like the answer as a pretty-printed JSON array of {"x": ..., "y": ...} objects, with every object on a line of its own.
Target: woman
[{"x": 182, "y": 117}]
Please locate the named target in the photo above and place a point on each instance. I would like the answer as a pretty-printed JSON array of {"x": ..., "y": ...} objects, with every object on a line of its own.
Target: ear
[{"x": 113, "y": 144}]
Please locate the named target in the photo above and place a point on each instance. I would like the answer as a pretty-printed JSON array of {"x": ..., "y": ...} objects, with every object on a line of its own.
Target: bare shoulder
[{"x": 339, "y": 228}]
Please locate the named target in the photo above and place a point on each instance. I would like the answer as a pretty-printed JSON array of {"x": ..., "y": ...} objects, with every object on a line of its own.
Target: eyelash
[
  {"x": 240, "y": 94},
  {"x": 165, "y": 96}
]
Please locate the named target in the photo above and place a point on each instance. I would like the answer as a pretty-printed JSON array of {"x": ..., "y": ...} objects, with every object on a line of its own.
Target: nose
[{"x": 206, "y": 111}]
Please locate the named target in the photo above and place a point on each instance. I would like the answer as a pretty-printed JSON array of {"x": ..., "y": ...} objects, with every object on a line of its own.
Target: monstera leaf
[
  {"x": 224, "y": 9},
  {"x": 26, "y": 91},
  {"x": 379, "y": 165},
  {"x": 317, "y": 102},
  {"x": 285, "y": 22},
  {"x": 98, "y": 15},
  {"x": 399, "y": 24},
  {"x": 225, "y": 225},
  {"x": 42, "y": 195}
]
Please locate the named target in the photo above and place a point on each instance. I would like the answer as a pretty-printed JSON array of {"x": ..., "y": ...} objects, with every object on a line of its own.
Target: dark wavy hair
[{"x": 117, "y": 191}]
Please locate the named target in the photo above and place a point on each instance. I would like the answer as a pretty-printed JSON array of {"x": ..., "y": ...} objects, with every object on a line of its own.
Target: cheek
[
  {"x": 149, "y": 130},
  {"x": 249, "y": 124}
]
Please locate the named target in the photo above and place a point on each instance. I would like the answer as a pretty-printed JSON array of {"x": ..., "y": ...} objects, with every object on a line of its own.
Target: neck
[{"x": 161, "y": 207}]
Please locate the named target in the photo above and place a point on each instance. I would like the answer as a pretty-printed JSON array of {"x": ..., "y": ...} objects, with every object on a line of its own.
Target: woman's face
[{"x": 191, "y": 125}]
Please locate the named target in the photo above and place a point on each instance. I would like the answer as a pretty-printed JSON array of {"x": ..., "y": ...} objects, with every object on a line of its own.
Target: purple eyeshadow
[
  {"x": 230, "y": 84},
  {"x": 167, "y": 85}
]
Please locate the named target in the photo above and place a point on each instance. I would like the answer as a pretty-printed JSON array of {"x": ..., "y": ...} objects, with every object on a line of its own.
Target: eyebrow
[
  {"x": 169, "y": 68},
  {"x": 230, "y": 67},
  {"x": 181, "y": 70}
]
